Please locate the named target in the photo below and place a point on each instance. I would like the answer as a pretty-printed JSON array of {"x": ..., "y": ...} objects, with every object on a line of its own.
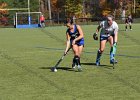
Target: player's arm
[
  {"x": 98, "y": 29},
  {"x": 116, "y": 34},
  {"x": 131, "y": 20},
  {"x": 116, "y": 37},
  {"x": 95, "y": 36},
  {"x": 67, "y": 42}
]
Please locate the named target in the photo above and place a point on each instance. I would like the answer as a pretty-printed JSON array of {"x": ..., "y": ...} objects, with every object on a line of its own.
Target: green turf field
[{"x": 26, "y": 56}]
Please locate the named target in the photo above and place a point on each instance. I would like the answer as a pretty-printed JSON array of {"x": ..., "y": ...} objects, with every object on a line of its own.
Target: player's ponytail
[{"x": 69, "y": 20}]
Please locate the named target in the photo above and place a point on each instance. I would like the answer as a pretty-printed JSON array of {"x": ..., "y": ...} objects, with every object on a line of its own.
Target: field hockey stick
[
  {"x": 113, "y": 65},
  {"x": 54, "y": 69}
]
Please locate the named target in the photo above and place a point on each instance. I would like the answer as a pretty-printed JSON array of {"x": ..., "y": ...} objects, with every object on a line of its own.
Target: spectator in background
[
  {"x": 42, "y": 21},
  {"x": 128, "y": 22},
  {"x": 4, "y": 20},
  {"x": 74, "y": 19}
]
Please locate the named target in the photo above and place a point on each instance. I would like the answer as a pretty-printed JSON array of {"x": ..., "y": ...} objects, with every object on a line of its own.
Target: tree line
[
  {"x": 90, "y": 8},
  {"x": 60, "y": 9}
]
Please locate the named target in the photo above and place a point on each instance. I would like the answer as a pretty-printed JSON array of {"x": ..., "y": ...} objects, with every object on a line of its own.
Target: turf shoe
[
  {"x": 79, "y": 68},
  {"x": 73, "y": 65},
  {"x": 113, "y": 61},
  {"x": 97, "y": 63}
]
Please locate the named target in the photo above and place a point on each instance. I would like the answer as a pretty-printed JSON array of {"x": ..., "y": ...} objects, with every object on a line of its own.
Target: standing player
[
  {"x": 42, "y": 21},
  {"x": 108, "y": 33},
  {"x": 128, "y": 22},
  {"x": 75, "y": 39}
]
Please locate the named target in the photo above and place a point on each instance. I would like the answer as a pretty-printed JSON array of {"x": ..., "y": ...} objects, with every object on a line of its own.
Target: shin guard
[
  {"x": 77, "y": 60},
  {"x": 126, "y": 27},
  {"x": 112, "y": 52},
  {"x": 98, "y": 56},
  {"x": 130, "y": 27}
]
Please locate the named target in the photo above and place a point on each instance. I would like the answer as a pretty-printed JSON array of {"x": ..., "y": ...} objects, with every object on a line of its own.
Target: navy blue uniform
[
  {"x": 74, "y": 35},
  {"x": 128, "y": 20}
]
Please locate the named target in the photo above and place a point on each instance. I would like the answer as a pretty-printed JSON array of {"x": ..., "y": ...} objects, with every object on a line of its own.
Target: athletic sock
[
  {"x": 98, "y": 56},
  {"x": 74, "y": 62},
  {"x": 112, "y": 52},
  {"x": 130, "y": 27},
  {"x": 77, "y": 60},
  {"x": 126, "y": 27}
]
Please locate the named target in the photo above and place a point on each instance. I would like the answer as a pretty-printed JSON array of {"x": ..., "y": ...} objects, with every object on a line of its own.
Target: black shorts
[{"x": 42, "y": 21}]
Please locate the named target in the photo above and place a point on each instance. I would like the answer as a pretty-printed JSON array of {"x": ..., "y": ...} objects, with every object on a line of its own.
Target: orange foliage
[{"x": 2, "y": 5}]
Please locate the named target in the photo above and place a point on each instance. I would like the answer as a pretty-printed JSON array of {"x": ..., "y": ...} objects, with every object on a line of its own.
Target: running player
[
  {"x": 75, "y": 39},
  {"x": 109, "y": 32},
  {"x": 128, "y": 22}
]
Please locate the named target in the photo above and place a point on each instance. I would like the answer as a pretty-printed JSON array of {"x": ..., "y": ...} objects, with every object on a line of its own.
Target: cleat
[
  {"x": 79, "y": 68},
  {"x": 73, "y": 66},
  {"x": 97, "y": 63},
  {"x": 130, "y": 29},
  {"x": 113, "y": 61}
]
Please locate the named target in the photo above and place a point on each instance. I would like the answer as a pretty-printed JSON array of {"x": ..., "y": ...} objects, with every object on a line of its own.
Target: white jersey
[{"x": 108, "y": 30}]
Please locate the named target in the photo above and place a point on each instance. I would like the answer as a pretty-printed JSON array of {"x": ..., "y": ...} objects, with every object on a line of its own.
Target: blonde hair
[{"x": 110, "y": 16}]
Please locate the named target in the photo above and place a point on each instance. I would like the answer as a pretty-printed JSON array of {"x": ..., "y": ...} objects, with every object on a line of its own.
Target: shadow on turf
[
  {"x": 70, "y": 69},
  {"x": 94, "y": 64},
  {"x": 59, "y": 68}
]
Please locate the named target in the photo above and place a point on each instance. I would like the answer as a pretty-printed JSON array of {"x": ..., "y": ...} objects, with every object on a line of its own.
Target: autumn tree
[
  {"x": 73, "y": 7},
  {"x": 2, "y": 6}
]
